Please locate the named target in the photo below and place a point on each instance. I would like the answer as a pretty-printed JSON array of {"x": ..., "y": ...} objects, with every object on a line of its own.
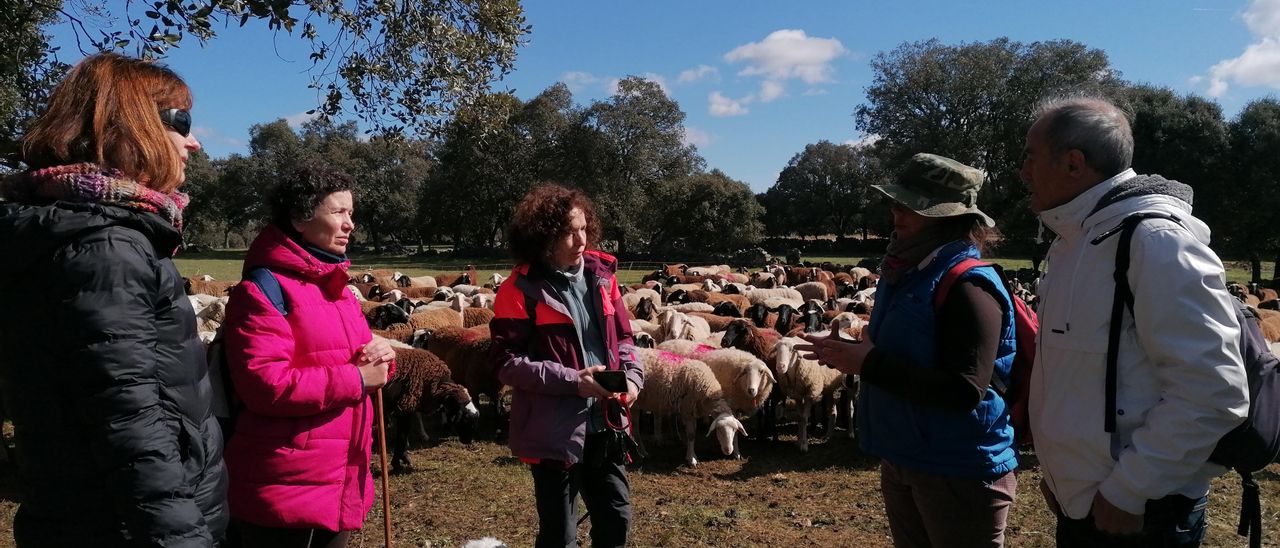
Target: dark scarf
[
  {"x": 91, "y": 183},
  {"x": 320, "y": 254},
  {"x": 904, "y": 254}
]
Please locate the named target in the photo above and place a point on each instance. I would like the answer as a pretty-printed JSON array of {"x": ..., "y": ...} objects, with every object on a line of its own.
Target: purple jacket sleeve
[{"x": 511, "y": 331}]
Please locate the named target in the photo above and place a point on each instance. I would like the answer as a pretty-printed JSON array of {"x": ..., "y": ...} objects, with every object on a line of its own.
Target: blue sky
[{"x": 760, "y": 80}]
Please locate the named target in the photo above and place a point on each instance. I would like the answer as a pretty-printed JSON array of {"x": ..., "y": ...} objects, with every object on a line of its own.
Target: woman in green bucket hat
[{"x": 926, "y": 405}]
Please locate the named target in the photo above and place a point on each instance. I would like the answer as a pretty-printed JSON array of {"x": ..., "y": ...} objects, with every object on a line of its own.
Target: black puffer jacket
[{"x": 105, "y": 381}]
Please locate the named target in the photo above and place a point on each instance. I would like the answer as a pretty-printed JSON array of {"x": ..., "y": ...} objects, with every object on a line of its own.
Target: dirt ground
[{"x": 775, "y": 496}]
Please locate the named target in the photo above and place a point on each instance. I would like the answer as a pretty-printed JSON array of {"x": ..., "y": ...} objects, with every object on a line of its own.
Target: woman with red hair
[
  {"x": 562, "y": 342},
  {"x": 101, "y": 369}
]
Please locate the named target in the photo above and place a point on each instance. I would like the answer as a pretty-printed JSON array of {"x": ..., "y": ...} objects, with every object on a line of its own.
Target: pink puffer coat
[{"x": 300, "y": 454}]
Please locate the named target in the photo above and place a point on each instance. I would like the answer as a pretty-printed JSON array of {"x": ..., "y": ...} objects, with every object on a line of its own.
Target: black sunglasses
[{"x": 178, "y": 119}]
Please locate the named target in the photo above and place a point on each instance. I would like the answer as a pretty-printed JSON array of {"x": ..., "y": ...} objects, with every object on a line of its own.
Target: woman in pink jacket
[{"x": 299, "y": 459}]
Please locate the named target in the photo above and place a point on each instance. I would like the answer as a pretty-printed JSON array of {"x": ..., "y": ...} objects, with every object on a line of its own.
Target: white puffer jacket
[{"x": 1181, "y": 382}]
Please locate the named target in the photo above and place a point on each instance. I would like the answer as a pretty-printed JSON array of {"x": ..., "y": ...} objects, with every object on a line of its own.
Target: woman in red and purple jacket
[{"x": 559, "y": 323}]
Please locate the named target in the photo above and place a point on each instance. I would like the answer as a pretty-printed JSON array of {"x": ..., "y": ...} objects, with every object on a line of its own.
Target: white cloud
[
  {"x": 771, "y": 90},
  {"x": 611, "y": 87},
  {"x": 696, "y": 137},
  {"x": 210, "y": 135},
  {"x": 578, "y": 80},
  {"x": 1263, "y": 18},
  {"x": 786, "y": 54},
  {"x": 864, "y": 141},
  {"x": 815, "y": 91},
  {"x": 697, "y": 73},
  {"x": 296, "y": 120},
  {"x": 1259, "y": 65},
  {"x": 722, "y": 106}
]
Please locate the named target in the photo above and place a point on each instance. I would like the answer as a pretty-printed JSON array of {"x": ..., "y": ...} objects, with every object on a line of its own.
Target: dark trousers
[
  {"x": 604, "y": 490},
  {"x": 1174, "y": 521},
  {"x": 242, "y": 534},
  {"x": 930, "y": 511}
]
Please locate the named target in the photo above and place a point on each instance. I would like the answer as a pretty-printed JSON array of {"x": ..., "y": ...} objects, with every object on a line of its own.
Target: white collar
[{"x": 1070, "y": 216}]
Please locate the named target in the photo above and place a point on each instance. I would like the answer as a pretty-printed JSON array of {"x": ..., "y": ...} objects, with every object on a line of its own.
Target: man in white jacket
[{"x": 1181, "y": 381}]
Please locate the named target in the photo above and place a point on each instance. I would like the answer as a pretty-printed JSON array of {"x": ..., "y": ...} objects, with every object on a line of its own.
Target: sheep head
[
  {"x": 787, "y": 357},
  {"x": 726, "y": 427}
]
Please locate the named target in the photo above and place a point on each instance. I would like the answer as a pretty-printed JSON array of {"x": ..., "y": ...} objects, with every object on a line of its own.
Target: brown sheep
[
  {"x": 466, "y": 351},
  {"x": 717, "y": 323},
  {"x": 424, "y": 384},
  {"x": 472, "y": 316},
  {"x": 217, "y": 289},
  {"x": 436, "y": 318},
  {"x": 700, "y": 296},
  {"x": 1270, "y": 323}
]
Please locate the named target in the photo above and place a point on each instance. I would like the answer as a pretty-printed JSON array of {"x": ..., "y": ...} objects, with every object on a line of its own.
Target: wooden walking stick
[{"x": 382, "y": 459}]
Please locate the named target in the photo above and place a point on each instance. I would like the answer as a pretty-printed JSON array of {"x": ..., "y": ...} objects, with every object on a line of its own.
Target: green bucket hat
[{"x": 937, "y": 186}]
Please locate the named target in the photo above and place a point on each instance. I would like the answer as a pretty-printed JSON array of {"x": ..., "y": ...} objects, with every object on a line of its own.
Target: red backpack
[{"x": 1016, "y": 389}]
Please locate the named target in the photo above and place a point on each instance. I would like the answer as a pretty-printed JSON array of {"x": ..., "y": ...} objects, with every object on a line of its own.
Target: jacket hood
[
  {"x": 31, "y": 231},
  {"x": 1145, "y": 185},
  {"x": 275, "y": 250},
  {"x": 1148, "y": 193}
]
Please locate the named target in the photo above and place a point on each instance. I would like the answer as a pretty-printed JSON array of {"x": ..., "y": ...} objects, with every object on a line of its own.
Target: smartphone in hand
[{"x": 614, "y": 381}]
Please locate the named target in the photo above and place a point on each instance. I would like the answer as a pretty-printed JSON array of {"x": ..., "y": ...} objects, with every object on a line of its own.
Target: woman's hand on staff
[
  {"x": 844, "y": 356},
  {"x": 374, "y": 363}
]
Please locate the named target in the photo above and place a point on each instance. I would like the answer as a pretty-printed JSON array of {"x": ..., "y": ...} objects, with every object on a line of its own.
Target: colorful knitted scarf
[{"x": 91, "y": 183}]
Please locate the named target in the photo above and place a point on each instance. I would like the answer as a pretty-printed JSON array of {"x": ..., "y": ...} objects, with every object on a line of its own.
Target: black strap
[
  {"x": 1123, "y": 298},
  {"x": 1250, "y": 510}
]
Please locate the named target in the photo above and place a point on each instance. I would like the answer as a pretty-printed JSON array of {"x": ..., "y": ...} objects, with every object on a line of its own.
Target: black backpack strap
[
  {"x": 1123, "y": 298},
  {"x": 1250, "y": 510}
]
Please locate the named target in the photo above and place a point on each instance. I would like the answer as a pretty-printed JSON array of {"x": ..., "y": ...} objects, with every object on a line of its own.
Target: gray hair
[{"x": 1092, "y": 125}]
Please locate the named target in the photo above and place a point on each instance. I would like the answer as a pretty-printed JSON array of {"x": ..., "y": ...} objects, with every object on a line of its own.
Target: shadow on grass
[{"x": 762, "y": 456}]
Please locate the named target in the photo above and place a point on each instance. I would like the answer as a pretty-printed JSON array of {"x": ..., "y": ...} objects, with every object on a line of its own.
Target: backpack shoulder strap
[
  {"x": 1123, "y": 299},
  {"x": 270, "y": 287},
  {"x": 951, "y": 277}
]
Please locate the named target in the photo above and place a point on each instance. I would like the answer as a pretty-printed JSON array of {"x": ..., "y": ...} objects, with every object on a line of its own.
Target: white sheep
[
  {"x": 678, "y": 325},
  {"x": 647, "y": 327},
  {"x": 711, "y": 286},
  {"x": 356, "y": 292},
  {"x": 688, "y": 307},
  {"x": 631, "y": 299},
  {"x": 808, "y": 382},
  {"x": 482, "y": 300},
  {"x": 496, "y": 279},
  {"x": 757, "y": 296},
  {"x": 686, "y": 387},
  {"x": 745, "y": 379}
]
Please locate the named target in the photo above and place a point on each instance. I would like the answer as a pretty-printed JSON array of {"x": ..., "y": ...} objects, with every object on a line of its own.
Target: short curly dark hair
[
  {"x": 296, "y": 196},
  {"x": 542, "y": 217}
]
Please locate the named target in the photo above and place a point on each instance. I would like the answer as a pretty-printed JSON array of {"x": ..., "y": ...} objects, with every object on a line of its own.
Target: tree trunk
[
  {"x": 1255, "y": 267},
  {"x": 226, "y": 238},
  {"x": 1275, "y": 274}
]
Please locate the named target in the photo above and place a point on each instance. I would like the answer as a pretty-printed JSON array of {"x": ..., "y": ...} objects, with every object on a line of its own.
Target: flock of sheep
[{"x": 718, "y": 345}]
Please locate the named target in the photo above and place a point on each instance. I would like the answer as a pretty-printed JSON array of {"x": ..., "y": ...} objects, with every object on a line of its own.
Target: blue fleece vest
[{"x": 974, "y": 444}]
